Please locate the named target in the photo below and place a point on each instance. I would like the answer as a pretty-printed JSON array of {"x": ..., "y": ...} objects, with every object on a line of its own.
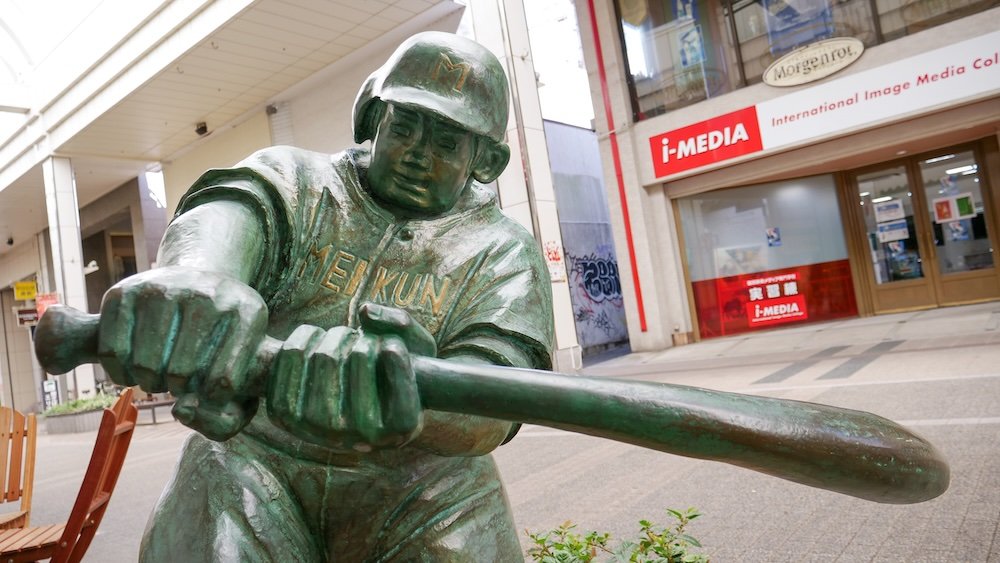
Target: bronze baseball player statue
[{"x": 332, "y": 326}]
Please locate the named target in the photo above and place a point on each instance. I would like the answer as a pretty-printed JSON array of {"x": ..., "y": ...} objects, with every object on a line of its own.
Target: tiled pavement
[{"x": 936, "y": 371}]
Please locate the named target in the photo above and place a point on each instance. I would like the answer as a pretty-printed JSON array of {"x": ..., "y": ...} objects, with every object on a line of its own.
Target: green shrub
[
  {"x": 653, "y": 545},
  {"x": 81, "y": 405}
]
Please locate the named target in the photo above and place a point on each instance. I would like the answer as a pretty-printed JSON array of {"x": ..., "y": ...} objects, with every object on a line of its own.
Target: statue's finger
[
  {"x": 401, "y": 409},
  {"x": 366, "y": 410},
  {"x": 287, "y": 378},
  {"x": 390, "y": 321},
  {"x": 156, "y": 323},
  {"x": 192, "y": 351},
  {"x": 115, "y": 340},
  {"x": 238, "y": 337},
  {"x": 216, "y": 421},
  {"x": 322, "y": 396}
]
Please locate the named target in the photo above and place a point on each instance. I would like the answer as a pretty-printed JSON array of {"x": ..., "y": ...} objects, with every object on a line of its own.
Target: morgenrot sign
[{"x": 814, "y": 61}]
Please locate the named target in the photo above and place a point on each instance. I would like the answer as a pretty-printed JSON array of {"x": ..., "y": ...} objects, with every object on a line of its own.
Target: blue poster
[
  {"x": 893, "y": 231},
  {"x": 792, "y": 23},
  {"x": 773, "y": 236}
]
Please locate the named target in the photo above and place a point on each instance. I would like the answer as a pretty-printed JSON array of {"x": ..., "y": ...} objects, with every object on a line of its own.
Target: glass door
[
  {"x": 953, "y": 187},
  {"x": 892, "y": 224},
  {"x": 928, "y": 231}
]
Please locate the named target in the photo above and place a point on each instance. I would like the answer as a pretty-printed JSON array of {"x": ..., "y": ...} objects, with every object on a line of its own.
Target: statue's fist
[
  {"x": 351, "y": 389},
  {"x": 190, "y": 332}
]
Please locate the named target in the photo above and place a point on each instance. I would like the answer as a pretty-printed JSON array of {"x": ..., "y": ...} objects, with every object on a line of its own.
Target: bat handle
[{"x": 66, "y": 338}]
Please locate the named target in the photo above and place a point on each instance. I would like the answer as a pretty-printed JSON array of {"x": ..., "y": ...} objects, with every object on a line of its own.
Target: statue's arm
[
  {"x": 223, "y": 237},
  {"x": 507, "y": 320},
  {"x": 191, "y": 326}
]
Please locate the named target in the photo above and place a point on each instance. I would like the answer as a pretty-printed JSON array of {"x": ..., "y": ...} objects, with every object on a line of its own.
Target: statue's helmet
[{"x": 450, "y": 76}]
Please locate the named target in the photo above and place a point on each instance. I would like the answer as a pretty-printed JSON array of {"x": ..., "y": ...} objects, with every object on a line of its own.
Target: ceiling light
[
  {"x": 881, "y": 199},
  {"x": 863, "y": 194},
  {"x": 938, "y": 158},
  {"x": 961, "y": 169}
]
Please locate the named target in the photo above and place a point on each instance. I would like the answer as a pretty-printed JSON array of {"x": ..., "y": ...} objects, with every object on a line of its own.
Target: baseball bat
[{"x": 851, "y": 452}]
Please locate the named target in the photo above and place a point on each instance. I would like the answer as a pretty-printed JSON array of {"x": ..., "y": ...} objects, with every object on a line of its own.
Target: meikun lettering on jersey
[
  {"x": 342, "y": 272},
  {"x": 720, "y": 138}
]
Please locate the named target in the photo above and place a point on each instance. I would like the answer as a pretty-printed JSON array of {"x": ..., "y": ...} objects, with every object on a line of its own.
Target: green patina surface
[{"x": 331, "y": 325}]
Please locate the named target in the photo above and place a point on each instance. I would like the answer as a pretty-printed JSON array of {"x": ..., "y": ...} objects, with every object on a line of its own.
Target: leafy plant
[
  {"x": 81, "y": 405},
  {"x": 655, "y": 544}
]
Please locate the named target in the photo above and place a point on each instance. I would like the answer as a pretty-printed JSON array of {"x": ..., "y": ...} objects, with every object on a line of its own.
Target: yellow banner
[{"x": 25, "y": 291}]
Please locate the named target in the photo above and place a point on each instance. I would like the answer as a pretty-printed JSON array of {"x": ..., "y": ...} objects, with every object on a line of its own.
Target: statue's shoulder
[
  {"x": 287, "y": 160},
  {"x": 504, "y": 230}
]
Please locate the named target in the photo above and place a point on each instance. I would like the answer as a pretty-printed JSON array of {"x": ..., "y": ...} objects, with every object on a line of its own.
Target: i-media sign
[
  {"x": 961, "y": 71},
  {"x": 720, "y": 138}
]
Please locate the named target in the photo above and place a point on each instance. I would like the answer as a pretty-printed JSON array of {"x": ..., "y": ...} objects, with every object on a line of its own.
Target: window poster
[
  {"x": 684, "y": 9},
  {"x": 736, "y": 260},
  {"x": 791, "y": 23},
  {"x": 689, "y": 59},
  {"x": 966, "y": 206},
  {"x": 773, "y": 236},
  {"x": 891, "y": 231},
  {"x": 954, "y": 208},
  {"x": 889, "y": 210},
  {"x": 959, "y": 230}
]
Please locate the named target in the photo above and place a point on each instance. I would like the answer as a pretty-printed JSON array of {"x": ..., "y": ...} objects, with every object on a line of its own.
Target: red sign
[
  {"x": 720, "y": 138},
  {"x": 43, "y": 300},
  {"x": 819, "y": 292},
  {"x": 777, "y": 311},
  {"x": 943, "y": 211},
  {"x": 775, "y": 299}
]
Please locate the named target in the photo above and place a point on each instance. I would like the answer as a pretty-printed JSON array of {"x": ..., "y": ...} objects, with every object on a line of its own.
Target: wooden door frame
[{"x": 986, "y": 157}]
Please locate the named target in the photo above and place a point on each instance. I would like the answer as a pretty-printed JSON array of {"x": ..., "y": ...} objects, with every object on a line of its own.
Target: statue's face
[{"x": 420, "y": 163}]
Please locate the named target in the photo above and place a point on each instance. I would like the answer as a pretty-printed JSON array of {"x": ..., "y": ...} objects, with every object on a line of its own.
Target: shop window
[
  {"x": 766, "y": 255},
  {"x": 768, "y": 29},
  {"x": 680, "y": 52},
  {"x": 906, "y": 17}
]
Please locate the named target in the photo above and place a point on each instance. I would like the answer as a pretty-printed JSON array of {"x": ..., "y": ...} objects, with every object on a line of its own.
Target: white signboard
[
  {"x": 892, "y": 231},
  {"x": 813, "y": 62},
  {"x": 889, "y": 210},
  {"x": 964, "y": 71},
  {"x": 959, "y": 71}
]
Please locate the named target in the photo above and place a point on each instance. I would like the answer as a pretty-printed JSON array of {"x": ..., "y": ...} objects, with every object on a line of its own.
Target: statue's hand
[
  {"x": 351, "y": 389},
  {"x": 190, "y": 332}
]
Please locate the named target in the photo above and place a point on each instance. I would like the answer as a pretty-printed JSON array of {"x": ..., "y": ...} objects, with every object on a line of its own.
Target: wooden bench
[{"x": 151, "y": 406}]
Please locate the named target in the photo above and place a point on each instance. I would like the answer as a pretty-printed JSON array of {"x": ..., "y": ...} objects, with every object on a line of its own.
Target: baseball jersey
[{"x": 473, "y": 277}]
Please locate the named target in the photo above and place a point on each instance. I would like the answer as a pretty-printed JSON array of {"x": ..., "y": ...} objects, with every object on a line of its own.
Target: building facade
[{"x": 771, "y": 163}]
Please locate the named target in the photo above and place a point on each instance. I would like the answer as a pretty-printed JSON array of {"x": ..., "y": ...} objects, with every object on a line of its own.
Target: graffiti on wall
[{"x": 596, "y": 293}]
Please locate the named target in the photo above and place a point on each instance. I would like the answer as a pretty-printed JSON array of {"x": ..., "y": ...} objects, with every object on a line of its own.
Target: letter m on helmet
[{"x": 451, "y": 74}]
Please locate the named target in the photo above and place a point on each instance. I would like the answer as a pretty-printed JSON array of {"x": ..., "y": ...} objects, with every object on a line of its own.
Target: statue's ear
[{"x": 491, "y": 159}]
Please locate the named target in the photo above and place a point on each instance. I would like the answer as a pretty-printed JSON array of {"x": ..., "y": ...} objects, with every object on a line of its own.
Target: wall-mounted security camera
[{"x": 201, "y": 129}]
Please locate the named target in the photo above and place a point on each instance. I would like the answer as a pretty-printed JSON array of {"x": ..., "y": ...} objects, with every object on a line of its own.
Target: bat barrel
[{"x": 847, "y": 451}]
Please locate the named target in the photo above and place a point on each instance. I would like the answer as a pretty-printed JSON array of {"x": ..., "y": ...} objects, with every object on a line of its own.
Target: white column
[
  {"x": 525, "y": 188},
  {"x": 67, "y": 255}
]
